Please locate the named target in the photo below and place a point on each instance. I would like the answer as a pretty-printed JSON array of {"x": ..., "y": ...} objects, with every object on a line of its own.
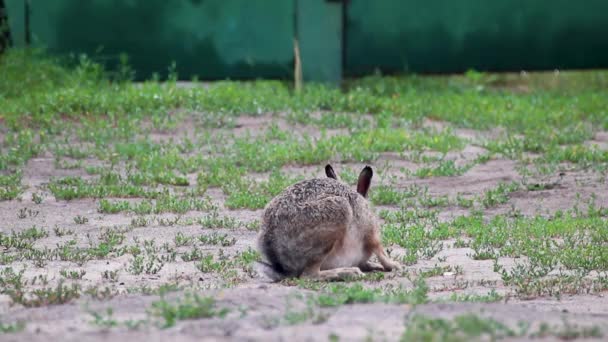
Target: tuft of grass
[
  {"x": 217, "y": 239},
  {"x": 191, "y": 306},
  {"x": 465, "y": 327},
  {"x": 78, "y": 219},
  {"x": 340, "y": 294},
  {"x": 10, "y": 328}
]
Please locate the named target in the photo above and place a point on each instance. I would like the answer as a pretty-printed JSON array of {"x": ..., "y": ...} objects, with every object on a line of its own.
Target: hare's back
[{"x": 313, "y": 189}]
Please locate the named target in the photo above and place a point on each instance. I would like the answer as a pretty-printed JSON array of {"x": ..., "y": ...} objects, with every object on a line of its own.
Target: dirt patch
[{"x": 259, "y": 310}]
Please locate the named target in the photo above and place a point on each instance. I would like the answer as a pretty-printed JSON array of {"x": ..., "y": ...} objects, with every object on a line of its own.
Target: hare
[{"x": 321, "y": 228}]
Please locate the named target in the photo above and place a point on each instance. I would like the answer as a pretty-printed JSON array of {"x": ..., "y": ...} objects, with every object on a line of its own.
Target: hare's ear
[
  {"x": 329, "y": 171},
  {"x": 365, "y": 180}
]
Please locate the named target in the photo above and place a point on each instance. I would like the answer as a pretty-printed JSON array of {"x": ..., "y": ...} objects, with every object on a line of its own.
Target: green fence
[
  {"x": 247, "y": 39},
  {"x": 453, "y": 36},
  {"x": 208, "y": 38}
]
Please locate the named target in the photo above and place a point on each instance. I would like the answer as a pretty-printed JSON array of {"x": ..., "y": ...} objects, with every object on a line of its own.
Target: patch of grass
[
  {"x": 8, "y": 193},
  {"x": 78, "y": 219},
  {"x": 191, "y": 306},
  {"x": 70, "y": 188},
  {"x": 498, "y": 195},
  {"x": 22, "y": 240},
  {"x": 217, "y": 239},
  {"x": 37, "y": 198},
  {"x": 60, "y": 294},
  {"x": 416, "y": 239},
  {"x": 59, "y": 231},
  {"x": 225, "y": 266},
  {"x": 147, "y": 264},
  {"x": 568, "y": 331},
  {"x": 181, "y": 240},
  {"x": 162, "y": 204},
  {"x": 465, "y": 327},
  {"x": 110, "y": 275},
  {"x": 445, "y": 168},
  {"x": 255, "y": 195},
  {"x": 340, "y": 294},
  {"x": 73, "y": 274},
  {"x": 106, "y": 320},
  {"x": 215, "y": 220},
  {"x": 9, "y": 328},
  {"x": 490, "y": 297},
  {"x": 386, "y": 194}
]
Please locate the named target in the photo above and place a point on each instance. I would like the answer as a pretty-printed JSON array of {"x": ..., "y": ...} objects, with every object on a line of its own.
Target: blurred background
[{"x": 243, "y": 39}]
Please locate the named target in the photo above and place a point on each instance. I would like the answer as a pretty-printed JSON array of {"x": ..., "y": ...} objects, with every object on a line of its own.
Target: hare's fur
[{"x": 321, "y": 228}]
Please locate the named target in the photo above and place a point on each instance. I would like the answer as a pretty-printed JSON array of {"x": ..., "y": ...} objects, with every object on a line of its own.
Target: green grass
[
  {"x": 472, "y": 327},
  {"x": 144, "y": 150},
  {"x": 569, "y": 243},
  {"x": 246, "y": 193},
  {"x": 8, "y": 328},
  {"x": 461, "y": 328},
  {"x": 339, "y": 294},
  {"x": 162, "y": 204},
  {"x": 113, "y": 118},
  {"x": 191, "y": 306}
]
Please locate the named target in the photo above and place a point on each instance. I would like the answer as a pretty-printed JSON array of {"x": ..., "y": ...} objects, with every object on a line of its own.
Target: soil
[{"x": 257, "y": 306}]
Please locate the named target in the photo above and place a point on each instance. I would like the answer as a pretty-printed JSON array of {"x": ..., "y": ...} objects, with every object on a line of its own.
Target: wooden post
[{"x": 319, "y": 30}]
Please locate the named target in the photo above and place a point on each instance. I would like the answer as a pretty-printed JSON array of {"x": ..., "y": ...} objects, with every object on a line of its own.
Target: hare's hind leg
[
  {"x": 374, "y": 246},
  {"x": 335, "y": 274},
  {"x": 370, "y": 266},
  {"x": 340, "y": 274}
]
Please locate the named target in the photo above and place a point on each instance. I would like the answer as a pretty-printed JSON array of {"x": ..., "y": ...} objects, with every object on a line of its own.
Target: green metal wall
[
  {"x": 208, "y": 38},
  {"x": 319, "y": 29},
  {"x": 254, "y": 38},
  {"x": 451, "y": 36}
]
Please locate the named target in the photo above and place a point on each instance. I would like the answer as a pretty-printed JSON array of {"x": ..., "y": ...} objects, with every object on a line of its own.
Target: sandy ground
[{"x": 258, "y": 307}]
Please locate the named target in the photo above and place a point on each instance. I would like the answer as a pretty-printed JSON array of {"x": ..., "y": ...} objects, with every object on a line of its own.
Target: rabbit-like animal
[{"x": 321, "y": 228}]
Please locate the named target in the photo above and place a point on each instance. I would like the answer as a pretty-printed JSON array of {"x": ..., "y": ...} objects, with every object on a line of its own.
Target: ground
[{"x": 131, "y": 209}]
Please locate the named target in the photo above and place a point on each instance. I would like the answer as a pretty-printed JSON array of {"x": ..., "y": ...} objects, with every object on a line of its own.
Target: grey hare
[{"x": 321, "y": 228}]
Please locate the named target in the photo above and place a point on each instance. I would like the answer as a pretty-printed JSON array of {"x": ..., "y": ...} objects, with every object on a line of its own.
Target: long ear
[
  {"x": 365, "y": 180},
  {"x": 329, "y": 171}
]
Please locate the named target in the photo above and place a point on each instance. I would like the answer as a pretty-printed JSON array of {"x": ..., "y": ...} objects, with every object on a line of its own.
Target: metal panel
[
  {"x": 249, "y": 39},
  {"x": 452, "y": 36},
  {"x": 16, "y": 15},
  {"x": 209, "y": 38},
  {"x": 319, "y": 27}
]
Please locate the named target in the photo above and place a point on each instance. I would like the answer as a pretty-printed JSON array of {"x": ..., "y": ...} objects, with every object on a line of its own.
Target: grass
[
  {"x": 191, "y": 306},
  {"x": 461, "y": 328},
  {"x": 337, "y": 295},
  {"x": 162, "y": 204},
  {"x": 467, "y": 327},
  {"x": 217, "y": 239},
  {"x": 8, "y": 328},
  {"x": 155, "y": 157}
]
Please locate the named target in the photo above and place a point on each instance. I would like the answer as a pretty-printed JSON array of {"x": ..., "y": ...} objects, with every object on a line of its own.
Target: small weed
[
  {"x": 110, "y": 275},
  {"x": 191, "y": 306},
  {"x": 78, "y": 219},
  {"x": 104, "y": 320},
  {"x": 59, "y": 231},
  {"x": 217, "y": 239},
  {"x": 9, "y": 328},
  {"x": 36, "y": 198},
  {"x": 460, "y": 328},
  {"x": 73, "y": 274},
  {"x": 60, "y": 294},
  {"x": 148, "y": 264},
  {"x": 182, "y": 240}
]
